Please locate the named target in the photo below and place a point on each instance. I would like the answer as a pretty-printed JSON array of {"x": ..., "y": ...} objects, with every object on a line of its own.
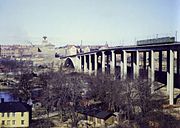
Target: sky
[{"x": 117, "y": 22}]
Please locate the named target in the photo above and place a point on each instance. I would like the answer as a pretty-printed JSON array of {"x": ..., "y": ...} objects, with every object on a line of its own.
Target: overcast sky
[{"x": 92, "y": 21}]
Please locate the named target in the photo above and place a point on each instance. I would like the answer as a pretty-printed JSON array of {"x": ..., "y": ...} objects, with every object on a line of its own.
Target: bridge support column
[
  {"x": 170, "y": 76},
  {"x": 95, "y": 64},
  {"x": 151, "y": 72},
  {"x": 121, "y": 65},
  {"x": 160, "y": 61},
  {"x": 168, "y": 65},
  {"x": 144, "y": 60},
  {"x": 85, "y": 64},
  {"x": 137, "y": 64},
  {"x": 113, "y": 64},
  {"x": 76, "y": 64},
  {"x": 124, "y": 64},
  {"x": 178, "y": 62},
  {"x": 103, "y": 62},
  {"x": 178, "y": 67},
  {"x": 149, "y": 65},
  {"x": 90, "y": 64}
]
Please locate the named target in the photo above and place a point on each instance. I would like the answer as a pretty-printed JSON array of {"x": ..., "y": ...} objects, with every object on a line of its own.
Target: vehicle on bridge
[{"x": 162, "y": 40}]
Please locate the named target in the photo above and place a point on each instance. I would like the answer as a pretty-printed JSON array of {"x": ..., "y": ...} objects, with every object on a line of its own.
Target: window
[
  {"x": 22, "y": 114},
  {"x": 2, "y": 115},
  {"x": 13, "y": 114},
  {"x": 8, "y": 114},
  {"x": 22, "y": 122},
  {"x": 8, "y": 122},
  {"x": 13, "y": 122},
  {"x": 3, "y": 122}
]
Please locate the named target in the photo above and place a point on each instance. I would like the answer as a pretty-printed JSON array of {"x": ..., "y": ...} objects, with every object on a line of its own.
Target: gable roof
[
  {"x": 104, "y": 115},
  {"x": 96, "y": 113},
  {"x": 14, "y": 107}
]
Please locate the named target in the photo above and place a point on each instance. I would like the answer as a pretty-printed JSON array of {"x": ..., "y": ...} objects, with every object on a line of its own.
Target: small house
[{"x": 97, "y": 118}]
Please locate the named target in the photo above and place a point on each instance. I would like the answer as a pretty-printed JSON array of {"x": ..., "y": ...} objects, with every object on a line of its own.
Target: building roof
[
  {"x": 104, "y": 115},
  {"x": 14, "y": 107},
  {"x": 96, "y": 113}
]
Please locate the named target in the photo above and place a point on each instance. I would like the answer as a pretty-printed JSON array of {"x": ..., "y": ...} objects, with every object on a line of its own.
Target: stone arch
[{"x": 69, "y": 63}]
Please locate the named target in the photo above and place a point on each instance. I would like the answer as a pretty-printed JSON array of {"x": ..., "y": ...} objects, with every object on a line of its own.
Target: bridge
[{"x": 158, "y": 61}]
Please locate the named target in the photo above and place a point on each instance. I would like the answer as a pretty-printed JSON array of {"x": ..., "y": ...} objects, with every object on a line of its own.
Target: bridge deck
[{"x": 117, "y": 49}]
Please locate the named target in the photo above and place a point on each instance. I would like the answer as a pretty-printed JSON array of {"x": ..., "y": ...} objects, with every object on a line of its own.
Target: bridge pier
[
  {"x": 103, "y": 61},
  {"x": 90, "y": 64},
  {"x": 151, "y": 72},
  {"x": 80, "y": 63},
  {"x": 85, "y": 64},
  {"x": 178, "y": 67},
  {"x": 124, "y": 64},
  {"x": 170, "y": 76},
  {"x": 167, "y": 69},
  {"x": 95, "y": 64},
  {"x": 178, "y": 62},
  {"x": 121, "y": 65},
  {"x": 135, "y": 64},
  {"x": 113, "y": 62}
]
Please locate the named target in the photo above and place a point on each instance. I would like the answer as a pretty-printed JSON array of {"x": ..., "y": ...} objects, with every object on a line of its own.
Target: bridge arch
[
  {"x": 72, "y": 62},
  {"x": 69, "y": 63}
]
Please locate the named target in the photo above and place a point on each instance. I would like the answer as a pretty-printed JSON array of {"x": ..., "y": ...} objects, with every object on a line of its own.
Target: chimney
[{"x": 2, "y": 100}]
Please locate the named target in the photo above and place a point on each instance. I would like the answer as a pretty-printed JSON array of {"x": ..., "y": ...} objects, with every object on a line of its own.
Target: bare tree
[
  {"x": 130, "y": 96},
  {"x": 62, "y": 93},
  {"x": 25, "y": 85}
]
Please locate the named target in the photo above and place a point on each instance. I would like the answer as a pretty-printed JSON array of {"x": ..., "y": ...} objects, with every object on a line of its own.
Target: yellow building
[{"x": 14, "y": 114}]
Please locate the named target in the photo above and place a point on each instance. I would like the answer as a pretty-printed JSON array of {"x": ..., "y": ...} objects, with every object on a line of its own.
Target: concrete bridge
[{"x": 159, "y": 62}]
